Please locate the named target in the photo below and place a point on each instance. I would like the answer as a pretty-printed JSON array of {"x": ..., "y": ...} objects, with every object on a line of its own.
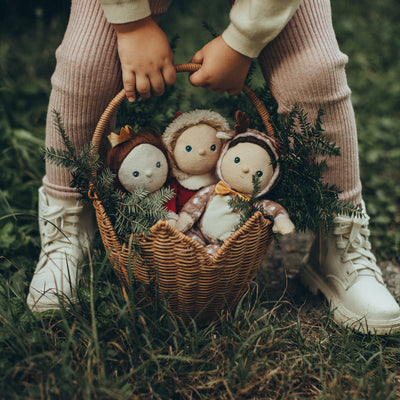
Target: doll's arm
[
  {"x": 194, "y": 208},
  {"x": 172, "y": 218},
  {"x": 226, "y": 59},
  {"x": 282, "y": 221}
]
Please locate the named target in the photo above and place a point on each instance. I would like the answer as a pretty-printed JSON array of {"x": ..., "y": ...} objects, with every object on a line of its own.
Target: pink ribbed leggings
[{"x": 302, "y": 65}]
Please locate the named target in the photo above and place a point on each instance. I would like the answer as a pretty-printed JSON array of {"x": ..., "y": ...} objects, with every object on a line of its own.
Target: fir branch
[
  {"x": 61, "y": 129},
  {"x": 247, "y": 207},
  {"x": 138, "y": 211}
]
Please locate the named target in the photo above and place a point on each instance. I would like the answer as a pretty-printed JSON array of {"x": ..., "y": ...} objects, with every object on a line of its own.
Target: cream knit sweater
[{"x": 254, "y": 23}]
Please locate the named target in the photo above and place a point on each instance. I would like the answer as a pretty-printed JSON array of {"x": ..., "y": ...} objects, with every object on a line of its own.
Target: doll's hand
[
  {"x": 172, "y": 222},
  {"x": 184, "y": 223},
  {"x": 283, "y": 225},
  {"x": 146, "y": 58},
  {"x": 223, "y": 68},
  {"x": 172, "y": 218}
]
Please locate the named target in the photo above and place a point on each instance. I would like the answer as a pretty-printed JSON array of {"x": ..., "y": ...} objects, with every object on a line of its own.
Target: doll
[
  {"x": 249, "y": 153},
  {"x": 139, "y": 160},
  {"x": 193, "y": 141}
]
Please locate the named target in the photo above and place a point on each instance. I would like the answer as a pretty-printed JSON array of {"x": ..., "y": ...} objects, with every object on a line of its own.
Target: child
[{"x": 301, "y": 62}]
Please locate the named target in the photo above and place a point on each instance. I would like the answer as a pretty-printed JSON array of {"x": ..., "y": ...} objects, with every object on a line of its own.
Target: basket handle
[{"x": 189, "y": 67}]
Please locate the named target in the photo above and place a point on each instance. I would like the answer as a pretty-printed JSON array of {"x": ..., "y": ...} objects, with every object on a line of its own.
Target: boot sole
[
  {"x": 38, "y": 306},
  {"x": 341, "y": 314}
]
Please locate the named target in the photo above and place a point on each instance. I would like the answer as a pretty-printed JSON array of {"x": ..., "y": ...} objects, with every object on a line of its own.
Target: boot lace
[
  {"x": 59, "y": 232},
  {"x": 352, "y": 236}
]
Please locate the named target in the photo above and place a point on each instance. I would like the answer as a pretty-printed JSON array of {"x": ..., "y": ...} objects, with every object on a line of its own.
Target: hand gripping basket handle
[{"x": 189, "y": 67}]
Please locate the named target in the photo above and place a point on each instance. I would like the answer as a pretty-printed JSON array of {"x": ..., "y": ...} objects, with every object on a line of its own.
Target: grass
[{"x": 106, "y": 347}]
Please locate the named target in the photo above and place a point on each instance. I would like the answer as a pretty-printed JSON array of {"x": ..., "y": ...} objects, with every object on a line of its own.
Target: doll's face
[
  {"x": 144, "y": 166},
  {"x": 241, "y": 162},
  {"x": 197, "y": 150}
]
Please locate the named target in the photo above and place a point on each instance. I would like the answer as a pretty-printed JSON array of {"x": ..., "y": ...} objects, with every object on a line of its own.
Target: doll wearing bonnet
[{"x": 248, "y": 153}]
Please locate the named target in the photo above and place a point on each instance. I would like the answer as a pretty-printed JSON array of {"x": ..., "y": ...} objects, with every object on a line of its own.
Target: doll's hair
[
  {"x": 188, "y": 119},
  {"x": 258, "y": 142},
  {"x": 117, "y": 154}
]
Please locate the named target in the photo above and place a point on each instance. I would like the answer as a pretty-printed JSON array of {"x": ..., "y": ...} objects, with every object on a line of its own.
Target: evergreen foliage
[
  {"x": 301, "y": 189},
  {"x": 139, "y": 210},
  {"x": 309, "y": 201},
  {"x": 131, "y": 213},
  {"x": 248, "y": 207}
]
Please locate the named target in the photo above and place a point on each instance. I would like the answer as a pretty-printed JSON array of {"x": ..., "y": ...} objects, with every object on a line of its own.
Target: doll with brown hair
[
  {"x": 139, "y": 160},
  {"x": 250, "y": 153},
  {"x": 193, "y": 141}
]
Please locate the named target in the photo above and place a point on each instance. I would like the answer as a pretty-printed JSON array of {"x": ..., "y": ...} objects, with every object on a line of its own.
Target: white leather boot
[
  {"x": 341, "y": 265},
  {"x": 66, "y": 228}
]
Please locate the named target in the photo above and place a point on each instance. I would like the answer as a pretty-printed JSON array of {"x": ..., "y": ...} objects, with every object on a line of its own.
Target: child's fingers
[
  {"x": 169, "y": 74},
  {"x": 129, "y": 81},
  {"x": 200, "y": 78},
  {"x": 195, "y": 80},
  {"x": 143, "y": 86},
  {"x": 198, "y": 57},
  {"x": 157, "y": 84}
]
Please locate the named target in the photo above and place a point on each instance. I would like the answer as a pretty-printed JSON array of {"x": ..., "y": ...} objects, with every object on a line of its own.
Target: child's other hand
[
  {"x": 223, "y": 68},
  {"x": 147, "y": 61}
]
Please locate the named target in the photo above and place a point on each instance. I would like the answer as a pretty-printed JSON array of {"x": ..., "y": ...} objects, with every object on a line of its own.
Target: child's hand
[
  {"x": 223, "y": 68},
  {"x": 146, "y": 58}
]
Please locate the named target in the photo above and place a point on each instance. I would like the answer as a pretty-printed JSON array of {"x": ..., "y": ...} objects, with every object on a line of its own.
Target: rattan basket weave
[{"x": 195, "y": 285}]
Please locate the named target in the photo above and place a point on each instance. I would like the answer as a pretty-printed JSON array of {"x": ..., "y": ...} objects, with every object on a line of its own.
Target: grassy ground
[{"x": 272, "y": 347}]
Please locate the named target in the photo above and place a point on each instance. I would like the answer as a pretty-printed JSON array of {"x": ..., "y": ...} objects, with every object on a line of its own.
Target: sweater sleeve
[
  {"x": 254, "y": 23},
  {"x": 122, "y": 11}
]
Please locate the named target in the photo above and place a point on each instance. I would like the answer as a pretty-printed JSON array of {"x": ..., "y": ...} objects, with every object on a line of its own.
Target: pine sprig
[
  {"x": 248, "y": 207},
  {"x": 139, "y": 210},
  {"x": 131, "y": 213},
  {"x": 301, "y": 190},
  {"x": 305, "y": 152}
]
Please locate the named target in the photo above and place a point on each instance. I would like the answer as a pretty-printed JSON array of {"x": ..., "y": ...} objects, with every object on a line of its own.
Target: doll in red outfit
[{"x": 193, "y": 140}]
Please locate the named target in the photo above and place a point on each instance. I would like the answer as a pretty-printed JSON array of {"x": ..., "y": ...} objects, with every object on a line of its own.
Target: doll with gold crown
[{"x": 139, "y": 160}]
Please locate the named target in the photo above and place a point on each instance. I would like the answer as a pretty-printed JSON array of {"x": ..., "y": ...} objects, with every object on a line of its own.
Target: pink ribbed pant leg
[
  {"x": 86, "y": 78},
  {"x": 304, "y": 65}
]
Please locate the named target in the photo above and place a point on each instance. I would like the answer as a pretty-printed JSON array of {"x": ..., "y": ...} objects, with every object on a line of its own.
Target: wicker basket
[{"x": 195, "y": 285}]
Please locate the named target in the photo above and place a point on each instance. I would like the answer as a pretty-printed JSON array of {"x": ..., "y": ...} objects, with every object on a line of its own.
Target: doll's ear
[
  {"x": 225, "y": 135},
  {"x": 242, "y": 122}
]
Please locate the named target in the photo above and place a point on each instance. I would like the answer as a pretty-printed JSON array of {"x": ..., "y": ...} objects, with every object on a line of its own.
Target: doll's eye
[
  {"x": 213, "y": 147},
  {"x": 188, "y": 148},
  {"x": 158, "y": 164},
  {"x": 135, "y": 174},
  {"x": 259, "y": 174},
  {"x": 236, "y": 160}
]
